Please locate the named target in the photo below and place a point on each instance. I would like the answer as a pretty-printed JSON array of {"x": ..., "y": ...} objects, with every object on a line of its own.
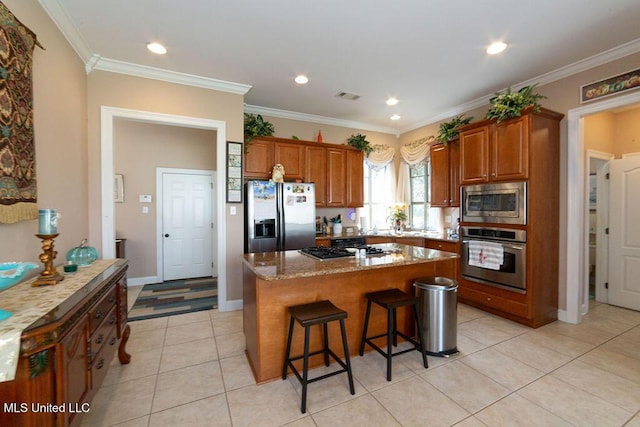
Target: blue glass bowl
[{"x": 11, "y": 273}]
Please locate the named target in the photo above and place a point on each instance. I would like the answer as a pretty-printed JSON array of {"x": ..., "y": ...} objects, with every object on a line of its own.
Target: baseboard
[
  {"x": 562, "y": 316},
  {"x": 232, "y": 305},
  {"x": 140, "y": 281}
]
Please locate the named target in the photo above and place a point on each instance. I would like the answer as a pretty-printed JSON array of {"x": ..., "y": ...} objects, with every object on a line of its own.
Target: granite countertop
[
  {"x": 293, "y": 264},
  {"x": 425, "y": 235}
]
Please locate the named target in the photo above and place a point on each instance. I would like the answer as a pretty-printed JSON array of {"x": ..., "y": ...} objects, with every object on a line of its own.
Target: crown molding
[
  {"x": 114, "y": 66},
  {"x": 285, "y": 114},
  {"x": 59, "y": 16},
  {"x": 93, "y": 61},
  {"x": 602, "y": 58}
]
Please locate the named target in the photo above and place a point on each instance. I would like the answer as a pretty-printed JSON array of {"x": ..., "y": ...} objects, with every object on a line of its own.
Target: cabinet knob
[
  {"x": 484, "y": 175},
  {"x": 493, "y": 174}
]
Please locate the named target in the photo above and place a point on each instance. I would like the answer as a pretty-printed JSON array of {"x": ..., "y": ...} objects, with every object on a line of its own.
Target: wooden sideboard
[{"x": 65, "y": 355}]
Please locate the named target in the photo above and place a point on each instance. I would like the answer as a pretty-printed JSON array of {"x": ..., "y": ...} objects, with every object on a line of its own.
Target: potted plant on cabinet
[
  {"x": 510, "y": 104},
  {"x": 255, "y": 125},
  {"x": 449, "y": 130},
  {"x": 360, "y": 142}
]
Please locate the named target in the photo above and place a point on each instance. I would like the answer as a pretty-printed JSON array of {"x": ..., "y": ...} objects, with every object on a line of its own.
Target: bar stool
[
  {"x": 307, "y": 315},
  {"x": 390, "y": 300}
]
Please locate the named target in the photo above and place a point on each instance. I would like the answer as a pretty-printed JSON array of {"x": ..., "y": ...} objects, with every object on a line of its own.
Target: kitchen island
[{"x": 273, "y": 281}]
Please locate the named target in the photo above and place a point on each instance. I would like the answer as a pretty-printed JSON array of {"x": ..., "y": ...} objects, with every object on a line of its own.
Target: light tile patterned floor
[{"x": 191, "y": 370}]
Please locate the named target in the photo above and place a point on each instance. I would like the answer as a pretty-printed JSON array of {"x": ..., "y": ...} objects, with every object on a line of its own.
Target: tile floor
[{"x": 191, "y": 370}]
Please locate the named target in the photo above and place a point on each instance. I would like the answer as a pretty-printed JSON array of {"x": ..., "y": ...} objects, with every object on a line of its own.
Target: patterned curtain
[
  {"x": 414, "y": 153},
  {"x": 18, "y": 190}
]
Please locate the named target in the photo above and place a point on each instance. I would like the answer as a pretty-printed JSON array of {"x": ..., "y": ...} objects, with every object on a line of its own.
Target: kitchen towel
[{"x": 488, "y": 255}]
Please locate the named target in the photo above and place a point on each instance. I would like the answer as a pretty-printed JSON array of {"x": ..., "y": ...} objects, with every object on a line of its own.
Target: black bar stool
[
  {"x": 390, "y": 300},
  {"x": 307, "y": 315}
]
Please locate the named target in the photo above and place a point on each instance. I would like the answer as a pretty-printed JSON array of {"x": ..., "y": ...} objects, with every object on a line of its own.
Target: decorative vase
[{"x": 398, "y": 227}]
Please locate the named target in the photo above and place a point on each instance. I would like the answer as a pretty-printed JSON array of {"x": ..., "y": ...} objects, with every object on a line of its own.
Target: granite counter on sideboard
[{"x": 276, "y": 280}]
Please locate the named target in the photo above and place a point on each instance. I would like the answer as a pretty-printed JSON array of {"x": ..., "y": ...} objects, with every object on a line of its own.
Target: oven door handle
[{"x": 517, "y": 246}]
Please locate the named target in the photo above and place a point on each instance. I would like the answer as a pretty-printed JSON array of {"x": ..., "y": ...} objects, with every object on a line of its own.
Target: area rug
[{"x": 175, "y": 297}]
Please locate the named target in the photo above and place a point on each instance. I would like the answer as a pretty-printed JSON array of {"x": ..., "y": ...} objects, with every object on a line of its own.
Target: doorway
[
  {"x": 185, "y": 222},
  {"x": 577, "y": 175},
  {"x": 596, "y": 216},
  {"x": 107, "y": 117}
]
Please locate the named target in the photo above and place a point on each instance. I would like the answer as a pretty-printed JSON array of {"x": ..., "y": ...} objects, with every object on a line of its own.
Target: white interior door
[
  {"x": 624, "y": 233},
  {"x": 187, "y": 225}
]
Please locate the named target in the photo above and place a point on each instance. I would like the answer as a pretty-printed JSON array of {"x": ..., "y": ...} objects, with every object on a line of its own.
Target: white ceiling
[{"x": 428, "y": 54}]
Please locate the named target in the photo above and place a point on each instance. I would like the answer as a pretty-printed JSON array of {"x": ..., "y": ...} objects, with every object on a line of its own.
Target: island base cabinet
[{"x": 266, "y": 318}]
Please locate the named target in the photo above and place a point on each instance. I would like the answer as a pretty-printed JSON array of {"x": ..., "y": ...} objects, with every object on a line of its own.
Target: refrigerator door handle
[{"x": 280, "y": 217}]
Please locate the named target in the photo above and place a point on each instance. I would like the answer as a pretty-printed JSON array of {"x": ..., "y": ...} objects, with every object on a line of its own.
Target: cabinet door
[
  {"x": 355, "y": 179},
  {"x": 411, "y": 241},
  {"x": 74, "y": 367},
  {"x": 336, "y": 177},
  {"x": 291, "y": 156},
  {"x": 454, "y": 173},
  {"x": 439, "y": 175},
  {"x": 316, "y": 172},
  {"x": 258, "y": 159},
  {"x": 474, "y": 155},
  {"x": 374, "y": 240},
  {"x": 509, "y": 156}
]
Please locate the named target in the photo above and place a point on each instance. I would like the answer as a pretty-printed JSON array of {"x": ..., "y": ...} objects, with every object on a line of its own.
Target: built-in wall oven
[
  {"x": 495, "y": 256},
  {"x": 501, "y": 203}
]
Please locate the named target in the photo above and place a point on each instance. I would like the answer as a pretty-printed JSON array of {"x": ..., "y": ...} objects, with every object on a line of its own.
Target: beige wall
[
  {"x": 59, "y": 94},
  {"x": 599, "y": 131},
  {"x": 139, "y": 149},
  {"x": 122, "y": 91},
  {"x": 627, "y": 132}
]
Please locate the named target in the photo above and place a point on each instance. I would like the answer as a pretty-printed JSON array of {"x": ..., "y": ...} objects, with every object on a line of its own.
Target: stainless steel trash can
[{"x": 438, "y": 314}]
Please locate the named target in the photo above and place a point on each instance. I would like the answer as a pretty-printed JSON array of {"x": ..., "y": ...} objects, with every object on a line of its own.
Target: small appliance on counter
[{"x": 279, "y": 216}]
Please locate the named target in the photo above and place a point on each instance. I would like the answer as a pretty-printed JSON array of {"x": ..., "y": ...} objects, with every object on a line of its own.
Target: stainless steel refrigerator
[{"x": 279, "y": 216}]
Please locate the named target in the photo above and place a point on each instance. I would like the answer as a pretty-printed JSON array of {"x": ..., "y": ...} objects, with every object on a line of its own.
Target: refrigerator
[{"x": 279, "y": 216}]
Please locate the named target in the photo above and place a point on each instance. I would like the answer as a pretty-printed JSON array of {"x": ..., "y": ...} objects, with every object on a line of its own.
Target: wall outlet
[
  {"x": 447, "y": 219},
  {"x": 232, "y": 210},
  {"x": 145, "y": 209}
]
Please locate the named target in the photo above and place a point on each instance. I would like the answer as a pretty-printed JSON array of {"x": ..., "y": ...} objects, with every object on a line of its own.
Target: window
[
  {"x": 420, "y": 184},
  {"x": 378, "y": 194}
]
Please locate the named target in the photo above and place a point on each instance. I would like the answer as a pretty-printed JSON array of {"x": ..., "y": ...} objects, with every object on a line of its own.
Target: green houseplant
[
  {"x": 449, "y": 130},
  {"x": 360, "y": 142},
  {"x": 255, "y": 125},
  {"x": 510, "y": 104}
]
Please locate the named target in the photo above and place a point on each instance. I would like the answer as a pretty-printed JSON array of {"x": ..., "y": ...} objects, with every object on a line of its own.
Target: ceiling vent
[{"x": 347, "y": 96}]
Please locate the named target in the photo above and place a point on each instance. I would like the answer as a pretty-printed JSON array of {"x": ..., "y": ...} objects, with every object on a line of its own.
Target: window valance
[{"x": 380, "y": 157}]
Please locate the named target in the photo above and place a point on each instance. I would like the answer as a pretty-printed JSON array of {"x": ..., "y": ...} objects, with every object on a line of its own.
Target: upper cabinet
[
  {"x": 445, "y": 174},
  {"x": 336, "y": 170},
  {"x": 491, "y": 151},
  {"x": 292, "y": 157},
  {"x": 258, "y": 159}
]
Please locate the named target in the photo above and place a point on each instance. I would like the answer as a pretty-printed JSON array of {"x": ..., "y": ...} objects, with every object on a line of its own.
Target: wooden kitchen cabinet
[
  {"x": 527, "y": 149},
  {"x": 442, "y": 245},
  {"x": 445, "y": 174},
  {"x": 336, "y": 170},
  {"x": 316, "y": 172},
  {"x": 492, "y": 152},
  {"x": 258, "y": 159},
  {"x": 336, "y": 177},
  {"x": 355, "y": 179},
  {"x": 292, "y": 157}
]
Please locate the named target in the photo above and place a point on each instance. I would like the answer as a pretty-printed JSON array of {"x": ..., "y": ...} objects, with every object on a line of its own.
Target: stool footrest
[{"x": 330, "y": 374}]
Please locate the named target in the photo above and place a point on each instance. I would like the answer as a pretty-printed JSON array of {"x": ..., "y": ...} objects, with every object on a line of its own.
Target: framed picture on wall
[{"x": 234, "y": 172}]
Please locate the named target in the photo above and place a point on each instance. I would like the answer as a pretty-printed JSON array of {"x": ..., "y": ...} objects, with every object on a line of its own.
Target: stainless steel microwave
[{"x": 501, "y": 203}]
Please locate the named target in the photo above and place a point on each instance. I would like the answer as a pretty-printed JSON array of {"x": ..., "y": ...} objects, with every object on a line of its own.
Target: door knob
[{"x": 166, "y": 235}]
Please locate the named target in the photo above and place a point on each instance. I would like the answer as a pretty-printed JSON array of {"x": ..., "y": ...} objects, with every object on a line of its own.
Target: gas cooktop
[{"x": 322, "y": 252}]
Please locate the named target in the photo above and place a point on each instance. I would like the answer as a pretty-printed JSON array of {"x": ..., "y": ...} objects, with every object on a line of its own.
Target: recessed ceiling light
[
  {"x": 496, "y": 47},
  {"x": 301, "y": 79},
  {"x": 395, "y": 117},
  {"x": 392, "y": 101},
  {"x": 156, "y": 48}
]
